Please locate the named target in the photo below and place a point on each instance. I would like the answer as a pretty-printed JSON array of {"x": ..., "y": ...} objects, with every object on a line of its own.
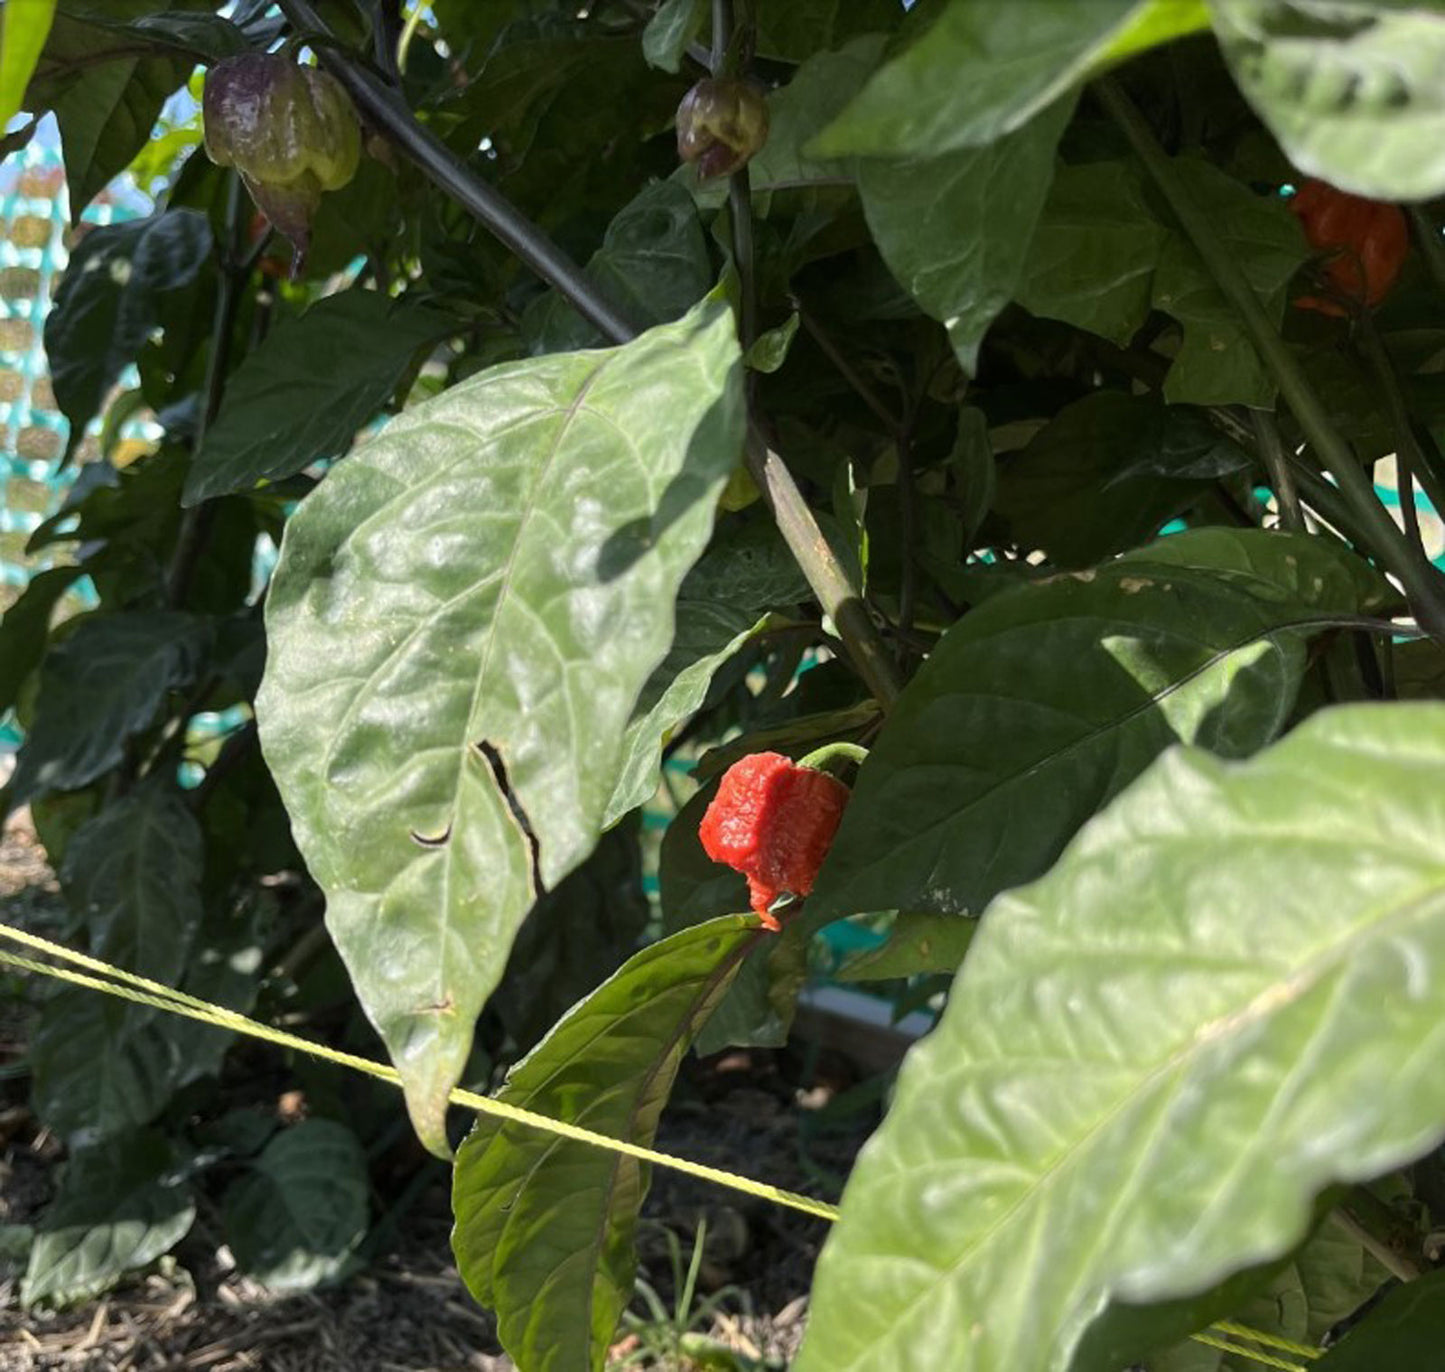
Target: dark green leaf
[
  {"x": 694, "y": 887},
  {"x": 670, "y": 30},
  {"x": 758, "y": 1009},
  {"x": 1107, "y": 472},
  {"x": 653, "y": 265},
  {"x": 296, "y": 1216},
  {"x": 119, "y": 1206},
  {"x": 975, "y": 70},
  {"x": 1351, "y": 88},
  {"x": 917, "y": 943},
  {"x": 796, "y": 30},
  {"x": 955, "y": 230},
  {"x": 133, "y": 874},
  {"x": 464, "y": 616},
  {"x": 1216, "y": 363},
  {"x": 26, "y": 628},
  {"x": 207, "y": 36},
  {"x": 545, "y": 1227},
  {"x": 1044, "y": 702},
  {"x": 100, "y": 1066},
  {"x": 1094, "y": 252},
  {"x": 306, "y": 392},
  {"x": 105, "y": 682},
  {"x": 1404, "y": 1333},
  {"x": 975, "y": 470},
  {"x": 1130, "y": 1091},
  {"x": 107, "y": 303}
]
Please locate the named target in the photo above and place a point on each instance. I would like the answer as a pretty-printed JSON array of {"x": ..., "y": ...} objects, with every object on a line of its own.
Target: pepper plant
[{"x": 973, "y": 357}]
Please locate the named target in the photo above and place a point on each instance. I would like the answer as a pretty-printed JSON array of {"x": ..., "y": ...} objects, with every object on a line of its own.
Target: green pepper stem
[{"x": 824, "y": 759}]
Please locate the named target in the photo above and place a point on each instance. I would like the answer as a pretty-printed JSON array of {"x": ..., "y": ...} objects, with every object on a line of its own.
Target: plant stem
[
  {"x": 234, "y": 271},
  {"x": 1271, "y": 449},
  {"x": 847, "y": 371},
  {"x": 825, "y": 574},
  {"x": 1422, "y": 583},
  {"x": 1431, "y": 244}
]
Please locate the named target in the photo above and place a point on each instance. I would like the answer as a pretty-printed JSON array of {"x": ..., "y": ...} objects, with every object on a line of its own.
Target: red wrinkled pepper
[
  {"x": 1367, "y": 241},
  {"x": 774, "y": 822}
]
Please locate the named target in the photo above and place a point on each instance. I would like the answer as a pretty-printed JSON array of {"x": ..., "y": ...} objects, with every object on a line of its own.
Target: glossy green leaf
[
  {"x": 1404, "y": 1333},
  {"x": 723, "y": 601},
  {"x": 107, "y": 303},
  {"x": 545, "y": 1228},
  {"x": 1351, "y": 88},
  {"x": 918, "y": 943},
  {"x": 202, "y": 35},
  {"x": 119, "y": 1206},
  {"x": 676, "y": 24},
  {"x": 980, "y": 70},
  {"x": 1156, "y": 1058},
  {"x": 102, "y": 684},
  {"x": 23, "y": 30},
  {"x": 653, "y": 265},
  {"x": 1216, "y": 363},
  {"x": 1044, "y": 702},
  {"x": 100, "y": 1066},
  {"x": 133, "y": 874},
  {"x": 1094, "y": 251},
  {"x": 1107, "y": 472},
  {"x": 955, "y": 230},
  {"x": 298, "y": 1213},
  {"x": 309, "y": 389},
  {"x": 25, "y": 629},
  {"x": 465, "y": 614}
]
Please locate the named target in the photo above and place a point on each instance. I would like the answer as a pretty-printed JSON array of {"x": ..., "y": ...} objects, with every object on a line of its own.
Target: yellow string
[{"x": 116, "y": 981}]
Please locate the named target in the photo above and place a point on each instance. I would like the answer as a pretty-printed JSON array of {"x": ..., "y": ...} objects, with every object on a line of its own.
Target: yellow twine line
[{"x": 116, "y": 981}]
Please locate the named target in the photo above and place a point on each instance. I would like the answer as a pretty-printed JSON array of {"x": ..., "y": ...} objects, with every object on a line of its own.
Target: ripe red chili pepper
[
  {"x": 1367, "y": 241},
  {"x": 773, "y": 821}
]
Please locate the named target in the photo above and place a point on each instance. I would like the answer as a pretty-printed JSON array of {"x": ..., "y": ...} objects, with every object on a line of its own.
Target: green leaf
[
  {"x": 99, "y": 1065},
  {"x": 207, "y": 36},
  {"x": 1107, "y": 472},
  {"x": 770, "y": 349},
  {"x": 955, "y": 229},
  {"x": 918, "y": 943},
  {"x": 108, "y": 304},
  {"x": 306, "y": 392},
  {"x": 975, "y": 470},
  {"x": 758, "y": 1009},
  {"x": 1130, "y": 1091},
  {"x": 1093, "y": 254},
  {"x": 997, "y": 751},
  {"x": 981, "y": 70},
  {"x": 1351, "y": 88},
  {"x": 298, "y": 1213},
  {"x": 723, "y": 601},
  {"x": 464, "y": 616},
  {"x": 104, "y": 683},
  {"x": 133, "y": 873},
  {"x": 23, "y": 30},
  {"x": 119, "y": 1206},
  {"x": 653, "y": 265},
  {"x": 25, "y": 629},
  {"x": 545, "y": 1227},
  {"x": 670, "y": 30},
  {"x": 797, "y": 30},
  {"x": 1404, "y": 1332},
  {"x": 1216, "y": 363},
  {"x": 694, "y": 888},
  {"x": 106, "y": 117}
]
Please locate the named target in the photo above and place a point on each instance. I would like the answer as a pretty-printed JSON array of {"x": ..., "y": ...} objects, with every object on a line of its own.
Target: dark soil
[{"x": 774, "y": 1116}]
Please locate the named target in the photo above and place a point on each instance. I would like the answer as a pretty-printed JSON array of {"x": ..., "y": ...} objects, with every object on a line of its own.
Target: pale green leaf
[
  {"x": 981, "y": 69},
  {"x": 670, "y": 30},
  {"x": 1044, "y": 702},
  {"x": 306, "y": 392},
  {"x": 464, "y": 617},
  {"x": 545, "y": 1227},
  {"x": 296, "y": 1216},
  {"x": 918, "y": 942},
  {"x": 102, "y": 684},
  {"x": 769, "y": 350},
  {"x": 23, "y": 29},
  {"x": 955, "y": 230},
  {"x": 119, "y": 1206},
  {"x": 1353, "y": 89},
  {"x": 1131, "y": 1091}
]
